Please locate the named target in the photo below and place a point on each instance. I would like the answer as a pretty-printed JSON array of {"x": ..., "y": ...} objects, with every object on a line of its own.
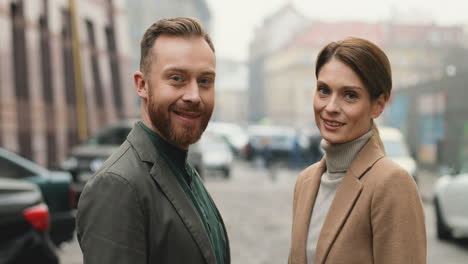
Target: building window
[
  {"x": 98, "y": 89},
  {"x": 21, "y": 80},
  {"x": 47, "y": 88},
  {"x": 114, "y": 67},
  {"x": 69, "y": 80}
]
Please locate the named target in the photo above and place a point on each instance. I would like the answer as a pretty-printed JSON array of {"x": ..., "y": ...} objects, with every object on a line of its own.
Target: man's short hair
[{"x": 180, "y": 26}]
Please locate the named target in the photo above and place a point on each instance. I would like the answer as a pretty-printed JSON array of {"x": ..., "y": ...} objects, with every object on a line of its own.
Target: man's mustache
[{"x": 196, "y": 109}]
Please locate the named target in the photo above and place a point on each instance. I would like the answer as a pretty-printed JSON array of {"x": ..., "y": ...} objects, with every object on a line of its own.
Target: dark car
[
  {"x": 85, "y": 159},
  {"x": 279, "y": 140},
  {"x": 55, "y": 187},
  {"x": 24, "y": 225}
]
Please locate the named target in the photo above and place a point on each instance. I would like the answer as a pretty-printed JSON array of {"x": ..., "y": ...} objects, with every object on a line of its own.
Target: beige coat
[{"x": 375, "y": 217}]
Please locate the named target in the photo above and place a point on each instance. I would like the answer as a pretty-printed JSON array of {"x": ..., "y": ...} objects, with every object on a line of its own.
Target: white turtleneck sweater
[{"x": 338, "y": 158}]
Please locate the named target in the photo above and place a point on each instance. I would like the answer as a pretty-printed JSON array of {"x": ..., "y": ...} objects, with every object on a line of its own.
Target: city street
[{"x": 257, "y": 213}]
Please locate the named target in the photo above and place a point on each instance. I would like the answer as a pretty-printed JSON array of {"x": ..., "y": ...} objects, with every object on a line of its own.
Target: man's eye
[
  {"x": 176, "y": 78},
  {"x": 205, "y": 81}
]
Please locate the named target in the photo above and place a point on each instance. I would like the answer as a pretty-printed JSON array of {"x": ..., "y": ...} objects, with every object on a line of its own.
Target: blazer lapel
[
  {"x": 163, "y": 175},
  {"x": 166, "y": 179},
  {"x": 304, "y": 205},
  {"x": 346, "y": 196},
  {"x": 342, "y": 204}
]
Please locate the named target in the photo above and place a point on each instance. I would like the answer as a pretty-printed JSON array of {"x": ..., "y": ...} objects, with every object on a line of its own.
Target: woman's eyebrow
[
  {"x": 342, "y": 87},
  {"x": 352, "y": 87}
]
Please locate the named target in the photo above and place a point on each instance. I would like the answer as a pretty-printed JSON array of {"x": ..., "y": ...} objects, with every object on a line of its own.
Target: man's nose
[{"x": 192, "y": 93}]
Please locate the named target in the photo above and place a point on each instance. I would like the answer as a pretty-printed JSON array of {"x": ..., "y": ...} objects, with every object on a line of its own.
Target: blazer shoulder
[
  {"x": 388, "y": 168},
  {"x": 387, "y": 174},
  {"x": 125, "y": 164}
]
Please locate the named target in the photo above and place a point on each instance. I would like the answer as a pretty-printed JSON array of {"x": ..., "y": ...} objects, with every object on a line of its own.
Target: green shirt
[{"x": 195, "y": 191}]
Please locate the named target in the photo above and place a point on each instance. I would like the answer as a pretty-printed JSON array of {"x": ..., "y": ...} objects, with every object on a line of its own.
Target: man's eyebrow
[
  {"x": 185, "y": 71},
  {"x": 176, "y": 69},
  {"x": 208, "y": 73}
]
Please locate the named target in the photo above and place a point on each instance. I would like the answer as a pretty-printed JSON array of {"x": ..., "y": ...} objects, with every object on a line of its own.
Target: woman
[{"x": 355, "y": 205}]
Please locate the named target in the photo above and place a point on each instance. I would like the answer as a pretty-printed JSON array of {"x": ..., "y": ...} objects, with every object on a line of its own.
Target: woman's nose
[{"x": 332, "y": 105}]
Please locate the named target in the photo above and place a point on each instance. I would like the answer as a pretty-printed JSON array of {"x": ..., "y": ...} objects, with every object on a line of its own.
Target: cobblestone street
[{"x": 257, "y": 213}]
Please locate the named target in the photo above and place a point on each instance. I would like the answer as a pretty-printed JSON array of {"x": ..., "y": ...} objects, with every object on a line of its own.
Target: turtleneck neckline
[
  {"x": 338, "y": 157},
  {"x": 177, "y": 155}
]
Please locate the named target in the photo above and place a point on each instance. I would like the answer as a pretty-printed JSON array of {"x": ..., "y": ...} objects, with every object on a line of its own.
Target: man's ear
[
  {"x": 378, "y": 106},
  {"x": 141, "y": 85}
]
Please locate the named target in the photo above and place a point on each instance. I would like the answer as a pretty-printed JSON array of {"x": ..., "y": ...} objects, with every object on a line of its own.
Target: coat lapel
[
  {"x": 166, "y": 179},
  {"x": 346, "y": 196},
  {"x": 162, "y": 174},
  {"x": 304, "y": 205},
  {"x": 342, "y": 204}
]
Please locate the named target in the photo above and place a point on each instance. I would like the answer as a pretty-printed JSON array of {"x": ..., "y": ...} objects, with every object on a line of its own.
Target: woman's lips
[{"x": 332, "y": 124}]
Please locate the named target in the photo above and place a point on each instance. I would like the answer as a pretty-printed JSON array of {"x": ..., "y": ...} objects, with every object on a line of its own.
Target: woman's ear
[
  {"x": 378, "y": 106},
  {"x": 140, "y": 85}
]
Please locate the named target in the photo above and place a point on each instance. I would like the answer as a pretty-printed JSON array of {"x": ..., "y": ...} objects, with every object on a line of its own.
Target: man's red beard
[{"x": 182, "y": 135}]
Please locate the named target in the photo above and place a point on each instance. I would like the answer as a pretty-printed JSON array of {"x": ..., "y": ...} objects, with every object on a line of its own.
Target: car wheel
[{"x": 443, "y": 231}]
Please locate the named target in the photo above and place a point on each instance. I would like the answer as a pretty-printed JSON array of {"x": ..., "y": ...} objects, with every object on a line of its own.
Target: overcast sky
[{"x": 235, "y": 20}]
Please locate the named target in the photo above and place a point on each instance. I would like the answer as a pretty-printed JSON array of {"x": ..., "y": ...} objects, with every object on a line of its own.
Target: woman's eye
[
  {"x": 323, "y": 90},
  {"x": 351, "y": 96}
]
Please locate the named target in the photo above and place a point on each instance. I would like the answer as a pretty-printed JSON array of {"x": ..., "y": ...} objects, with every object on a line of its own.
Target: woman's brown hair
[{"x": 367, "y": 60}]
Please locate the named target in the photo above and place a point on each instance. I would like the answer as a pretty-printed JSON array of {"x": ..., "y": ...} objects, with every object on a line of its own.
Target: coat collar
[
  {"x": 346, "y": 196},
  {"x": 166, "y": 179}
]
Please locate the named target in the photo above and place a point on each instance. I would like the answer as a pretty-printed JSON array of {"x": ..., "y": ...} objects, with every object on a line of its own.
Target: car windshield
[
  {"x": 214, "y": 144},
  {"x": 395, "y": 148}
]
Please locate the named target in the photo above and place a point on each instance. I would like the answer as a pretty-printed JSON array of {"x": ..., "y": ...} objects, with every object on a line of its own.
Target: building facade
[
  {"x": 434, "y": 117},
  {"x": 231, "y": 91},
  {"x": 275, "y": 31},
  {"x": 64, "y": 73},
  {"x": 417, "y": 53},
  {"x": 143, "y": 13}
]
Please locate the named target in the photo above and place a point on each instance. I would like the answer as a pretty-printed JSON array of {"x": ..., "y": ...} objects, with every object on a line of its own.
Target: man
[{"x": 147, "y": 204}]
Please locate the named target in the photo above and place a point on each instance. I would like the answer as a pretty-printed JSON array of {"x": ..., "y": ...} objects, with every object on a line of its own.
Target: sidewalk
[{"x": 426, "y": 181}]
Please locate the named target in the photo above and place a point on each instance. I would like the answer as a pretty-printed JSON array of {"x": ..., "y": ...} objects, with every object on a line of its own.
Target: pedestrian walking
[{"x": 268, "y": 158}]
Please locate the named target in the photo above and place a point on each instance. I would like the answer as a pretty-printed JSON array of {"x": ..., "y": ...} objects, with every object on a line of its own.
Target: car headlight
[{"x": 70, "y": 163}]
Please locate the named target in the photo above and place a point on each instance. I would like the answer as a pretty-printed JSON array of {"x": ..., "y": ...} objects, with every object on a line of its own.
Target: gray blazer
[{"x": 134, "y": 211}]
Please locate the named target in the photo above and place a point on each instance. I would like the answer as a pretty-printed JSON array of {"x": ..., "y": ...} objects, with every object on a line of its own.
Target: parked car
[
  {"x": 397, "y": 149},
  {"x": 450, "y": 204},
  {"x": 85, "y": 159},
  {"x": 217, "y": 155},
  {"x": 280, "y": 141},
  {"x": 24, "y": 224},
  {"x": 235, "y": 135},
  {"x": 55, "y": 187}
]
